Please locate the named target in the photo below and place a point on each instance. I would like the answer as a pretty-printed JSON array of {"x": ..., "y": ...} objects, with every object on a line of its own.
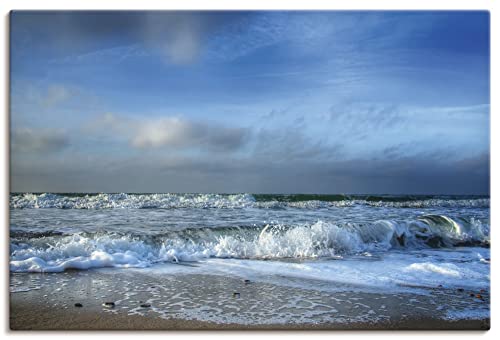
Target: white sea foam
[
  {"x": 391, "y": 271},
  {"x": 446, "y": 269},
  {"x": 321, "y": 239},
  {"x": 127, "y": 201},
  {"x": 219, "y": 201},
  {"x": 97, "y": 259},
  {"x": 434, "y": 202}
]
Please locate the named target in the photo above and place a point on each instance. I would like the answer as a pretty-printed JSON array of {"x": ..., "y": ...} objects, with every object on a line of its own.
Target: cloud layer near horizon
[{"x": 183, "y": 155}]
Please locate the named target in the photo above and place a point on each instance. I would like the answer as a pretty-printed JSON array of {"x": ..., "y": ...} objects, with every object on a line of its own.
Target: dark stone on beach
[
  {"x": 460, "y": 289},
  {"x": 108, "y": 304},
  {"x": 247, "y": 281},
  {"x": 236, "y": 295},
  {"x": 145, "y": 305},
  {"x": 78, "y": 304}
]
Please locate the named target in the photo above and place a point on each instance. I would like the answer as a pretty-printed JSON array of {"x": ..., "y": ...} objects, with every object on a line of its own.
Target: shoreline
[{"x": 208, "y": 302}]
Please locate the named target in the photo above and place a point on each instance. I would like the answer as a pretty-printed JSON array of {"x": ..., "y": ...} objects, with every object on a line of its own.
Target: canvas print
[{"x": 176, "y": 170}]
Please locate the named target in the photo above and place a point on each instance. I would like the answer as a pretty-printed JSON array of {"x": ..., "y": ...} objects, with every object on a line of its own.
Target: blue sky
[{"x": 325, "y": 102}]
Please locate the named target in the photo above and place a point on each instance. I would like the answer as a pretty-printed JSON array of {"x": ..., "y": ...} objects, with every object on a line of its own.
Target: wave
[
  {"x": 232, "y": 201},
  {"x": 56, "y": 252}
]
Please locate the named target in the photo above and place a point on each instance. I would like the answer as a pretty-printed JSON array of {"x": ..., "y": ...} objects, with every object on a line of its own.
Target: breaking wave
[
  {"x": 232, "y": 201},
  {"x": 58, "y": 252}
]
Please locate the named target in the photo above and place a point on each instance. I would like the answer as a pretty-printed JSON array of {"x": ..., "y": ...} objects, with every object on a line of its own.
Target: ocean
[{"x": 394, "y": 244}]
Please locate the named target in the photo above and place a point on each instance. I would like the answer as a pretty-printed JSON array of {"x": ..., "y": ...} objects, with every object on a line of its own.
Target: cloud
[
  {"x": 355, "y": 118},
  {"x": 422, "y": 174},
  {"x": 292, "y": 144},
  {"x": 172, "y": 132},
  {"x": 55, "y": 94},
  {"x": 180, "y": 37},
  {"x": 42, "y": 95},
  {"x": 74, "y": 36},
  {"x": 378, "y": 126},
  {"x": 37, "y": 102},
  {"x": 106, "y": 55},
  {"x": 40, "y": 140},
  {"x": 303, "y": 33},
  {"x": 177, "y": 36},
  {"x": 467, "y": 112}
]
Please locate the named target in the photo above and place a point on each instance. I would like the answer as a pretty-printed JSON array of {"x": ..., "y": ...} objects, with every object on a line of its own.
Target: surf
[{"x": 35, "y": 252}]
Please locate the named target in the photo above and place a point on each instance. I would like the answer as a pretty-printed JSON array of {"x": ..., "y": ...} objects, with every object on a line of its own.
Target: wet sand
[
  {"x": 29, "y": 316},
  {"x": 197, "y": 302}
]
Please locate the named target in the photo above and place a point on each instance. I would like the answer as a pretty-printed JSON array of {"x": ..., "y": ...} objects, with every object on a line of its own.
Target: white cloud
[{"x": 171, "y": 132}]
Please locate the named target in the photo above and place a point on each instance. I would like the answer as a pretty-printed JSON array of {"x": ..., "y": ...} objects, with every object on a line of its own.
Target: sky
[{"x": 374, "y": 102}]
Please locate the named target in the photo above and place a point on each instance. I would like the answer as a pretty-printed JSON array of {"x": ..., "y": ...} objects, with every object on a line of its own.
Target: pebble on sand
[
  {"x": 236, "y": 295},
  {"x": 108, "y": 304},
  {"x": 78, "y": 304},
  {"x": 145, "y": 305}
]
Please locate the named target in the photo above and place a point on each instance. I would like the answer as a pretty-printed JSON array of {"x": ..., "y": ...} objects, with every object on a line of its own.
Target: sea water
[{"x": 340, "y": 242}]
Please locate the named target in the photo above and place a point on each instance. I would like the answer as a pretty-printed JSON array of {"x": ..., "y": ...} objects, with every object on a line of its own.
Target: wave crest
[
  {"x": 230, "y": 201},
  {"x": 321, "y": 239}
]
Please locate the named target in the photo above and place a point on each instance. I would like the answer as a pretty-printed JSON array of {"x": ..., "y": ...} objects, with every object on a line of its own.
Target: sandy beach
[{"x": 74, "y": 301}]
